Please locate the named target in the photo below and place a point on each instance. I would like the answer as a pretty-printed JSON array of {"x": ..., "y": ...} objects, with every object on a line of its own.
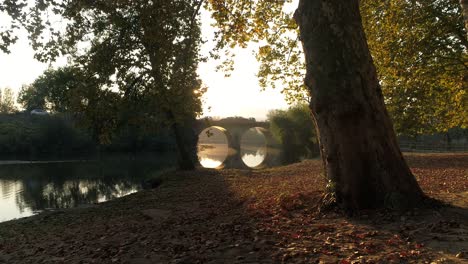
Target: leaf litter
[{"x": 258, "y": 216}]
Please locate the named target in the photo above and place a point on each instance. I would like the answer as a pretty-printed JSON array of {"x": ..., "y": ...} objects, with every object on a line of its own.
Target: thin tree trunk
[
  {"x": 464, "y": 7},
  {"x": 186, "y": 155},
  {"x": 359, "y": 146},
  {"x": 185, "y": 160},
  {"x": 449, "y": 141}
]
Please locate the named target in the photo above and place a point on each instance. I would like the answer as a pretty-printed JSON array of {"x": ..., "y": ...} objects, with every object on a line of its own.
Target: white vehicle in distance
[{"x": 39, "y": 112}]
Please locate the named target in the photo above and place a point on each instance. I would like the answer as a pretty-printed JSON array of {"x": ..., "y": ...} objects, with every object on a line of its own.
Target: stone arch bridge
[{"x": 233, "y": 130}]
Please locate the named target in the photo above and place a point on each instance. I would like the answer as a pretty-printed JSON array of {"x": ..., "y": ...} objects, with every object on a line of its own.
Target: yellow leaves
[
  {"x": 264, "y": 51},
  {"x": 420, "y": 61},
  {"x": 267, "y": 22}
]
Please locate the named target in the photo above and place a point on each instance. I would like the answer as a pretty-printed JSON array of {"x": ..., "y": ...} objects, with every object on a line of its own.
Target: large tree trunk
[
  {"x": 464, "y": 7},
  {"x": 361, "y": 154}
]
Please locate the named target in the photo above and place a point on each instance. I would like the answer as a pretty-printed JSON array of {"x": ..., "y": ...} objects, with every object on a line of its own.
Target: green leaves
[
  {"x": 294, "y": 129},
  {"x": 421, "y": 56},
  {"x": 14, "y": 9},
  {"x": 7, "y": 102},
  {"x": 51, "y": 91},
  {"x": 136, "y": 58},
  {"x": 273, "y": 26},
  {"x": 419, "y": 48}
]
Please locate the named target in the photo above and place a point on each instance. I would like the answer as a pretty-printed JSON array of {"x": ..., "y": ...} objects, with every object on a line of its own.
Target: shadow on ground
[{"x": 233, "y": 216}]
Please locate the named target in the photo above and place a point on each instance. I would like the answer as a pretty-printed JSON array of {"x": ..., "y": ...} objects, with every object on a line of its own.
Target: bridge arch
[{"x": 233, "y": 137}]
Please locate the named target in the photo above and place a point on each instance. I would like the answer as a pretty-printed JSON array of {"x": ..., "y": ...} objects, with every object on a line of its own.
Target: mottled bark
[{"x": 359, "y": 147}]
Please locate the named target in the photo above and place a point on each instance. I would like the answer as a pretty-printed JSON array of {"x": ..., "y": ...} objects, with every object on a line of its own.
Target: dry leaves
[{"x": 264, "y": 216}]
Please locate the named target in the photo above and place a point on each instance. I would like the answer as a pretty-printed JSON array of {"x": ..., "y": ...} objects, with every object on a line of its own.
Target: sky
[{"x": 237, "y": 95}]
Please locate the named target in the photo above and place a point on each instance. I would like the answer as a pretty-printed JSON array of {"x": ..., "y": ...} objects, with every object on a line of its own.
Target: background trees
[
  {"x": 420, "y": 51},
  {"x": 24, "y": 136},
  {"x": 7, "y": 101},
  {"x": 146, "y": 52},
  {"x": 293, "y": 129},
  {"x": 51, "y": 91}
]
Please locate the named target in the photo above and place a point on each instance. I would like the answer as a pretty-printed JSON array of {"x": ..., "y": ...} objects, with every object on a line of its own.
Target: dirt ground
[{"x": 260, "y": 216}]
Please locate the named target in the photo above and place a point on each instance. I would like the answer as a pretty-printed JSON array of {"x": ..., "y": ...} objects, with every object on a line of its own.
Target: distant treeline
[
  {"x": 26, "y": 136},
  {"x": 23, "y": 135},
  {"x": 453, "y": 140}
]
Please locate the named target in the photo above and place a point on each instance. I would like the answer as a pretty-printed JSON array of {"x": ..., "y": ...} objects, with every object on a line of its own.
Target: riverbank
[
  {"x": 261, "y": 216},
  {"x": 19, "y": 162}
]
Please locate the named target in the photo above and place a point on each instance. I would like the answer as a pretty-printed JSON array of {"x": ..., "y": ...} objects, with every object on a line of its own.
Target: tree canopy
[
  {"x": 146, "y": 52},
  {"x": 7, "y": 101},
  {"x": 51, "y": 91},
  {"x": 149, "y": 48},
  {"x": 12, "y": 10},
  {"x": 420, "y": 51},
  {"x": 271, "y": 24}
]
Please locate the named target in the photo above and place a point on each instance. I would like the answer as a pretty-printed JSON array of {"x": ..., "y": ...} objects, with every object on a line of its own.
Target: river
[{"x": 28, "y": 188}]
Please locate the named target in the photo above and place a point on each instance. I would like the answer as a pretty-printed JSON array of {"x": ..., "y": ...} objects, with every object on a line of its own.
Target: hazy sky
[{"x": 238, "y": 95}]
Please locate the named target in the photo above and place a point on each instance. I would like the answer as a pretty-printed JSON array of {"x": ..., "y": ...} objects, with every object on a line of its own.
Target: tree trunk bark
[
  {"x": 185, "y": 154},
  {"x": 449, "y": 141},
  {"x": 464, "y": 7},
  {"x": 185, "y": 161},
  {"x": 361, "y": 154}
]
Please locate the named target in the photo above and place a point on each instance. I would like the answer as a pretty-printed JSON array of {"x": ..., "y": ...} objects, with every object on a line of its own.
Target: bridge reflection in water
[{"x": 219, "y": 148}]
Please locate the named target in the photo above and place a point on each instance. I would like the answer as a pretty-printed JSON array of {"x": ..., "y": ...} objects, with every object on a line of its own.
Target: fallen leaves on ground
[{"x": 259, "y": 216}]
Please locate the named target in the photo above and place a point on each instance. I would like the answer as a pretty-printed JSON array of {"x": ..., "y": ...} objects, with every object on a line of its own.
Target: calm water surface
[
  {"x": 213, "y": 155},
  {"x": 213, "y": 147},
  {"x": 26, "y": 189}
]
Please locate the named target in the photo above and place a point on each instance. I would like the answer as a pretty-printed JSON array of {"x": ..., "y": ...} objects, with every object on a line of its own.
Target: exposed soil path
[{"x": 264, "y": 216}]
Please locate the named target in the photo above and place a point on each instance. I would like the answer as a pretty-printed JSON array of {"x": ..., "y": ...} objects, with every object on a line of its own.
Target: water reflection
[
  {"x": 9, "y": 208},
  {"x": 212, "y": 163},
  {"x": 253, "y": 147},
  {"x": 29, "y": 188},
  {"x": 254, "y": 158},
  {"x": 212, "y": 147}
]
